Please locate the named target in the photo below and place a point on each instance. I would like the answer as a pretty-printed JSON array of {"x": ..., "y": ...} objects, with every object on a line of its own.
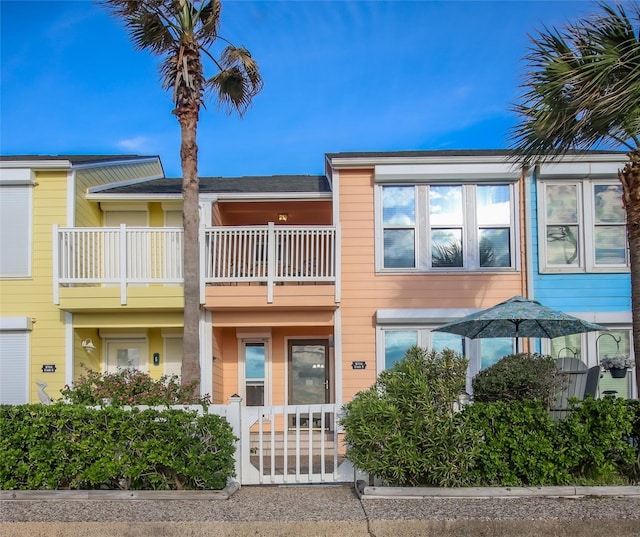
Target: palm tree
[
  {"x": 182, "y": 32},
  {"x": 582, "y": 90}
]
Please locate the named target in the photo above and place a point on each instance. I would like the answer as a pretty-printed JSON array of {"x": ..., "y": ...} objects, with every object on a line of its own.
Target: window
[
  {"x": 15, "y": 231},
  {"x": 583, "y": 347},
  {"x": 447, "y": 227},
  {"x": 399, "y": 220},
  {"x": 254, "y": 373},
  {"x": 126, "y": 354},
  {"x": 582, "y": 227},
  {"x": 481, "y": 353},
  {"x": 396, "y": 342}
]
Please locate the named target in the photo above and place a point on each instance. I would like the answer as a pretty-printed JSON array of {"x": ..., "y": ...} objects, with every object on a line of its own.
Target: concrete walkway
[{"x": 335, "y": 510}]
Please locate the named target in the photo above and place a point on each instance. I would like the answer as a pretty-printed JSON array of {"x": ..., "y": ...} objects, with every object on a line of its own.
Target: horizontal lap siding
[
  {"x": 364, "y": 292},
  {"x": 33, "y": 297}
]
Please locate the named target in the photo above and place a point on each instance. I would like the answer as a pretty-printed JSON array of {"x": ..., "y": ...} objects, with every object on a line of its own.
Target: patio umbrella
[{"x": 519, "y": 317}]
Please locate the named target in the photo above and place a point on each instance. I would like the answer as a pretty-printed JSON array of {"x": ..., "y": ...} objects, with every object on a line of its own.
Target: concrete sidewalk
[{"x": 333, "y": 510}]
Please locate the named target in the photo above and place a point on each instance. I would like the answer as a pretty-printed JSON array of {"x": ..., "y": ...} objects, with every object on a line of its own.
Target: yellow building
[{"x": 41, "y": 329}]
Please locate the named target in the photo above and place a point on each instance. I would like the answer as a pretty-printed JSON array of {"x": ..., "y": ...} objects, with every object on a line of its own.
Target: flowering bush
[
  {"x": 618, "y": 361},
  {"x": 131, "y": 387}
]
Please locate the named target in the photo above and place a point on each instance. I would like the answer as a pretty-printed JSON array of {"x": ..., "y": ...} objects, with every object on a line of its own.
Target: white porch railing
[
  {"x": 116, "y": 256},
  {"x": 270, "y": 254},
  {"x": 123, "y": 256}
]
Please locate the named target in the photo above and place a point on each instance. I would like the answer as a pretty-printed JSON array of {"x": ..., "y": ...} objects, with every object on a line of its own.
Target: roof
[
  {"x": 229, "y": 185},
  {"x": 74, "y": 159},
  {"x": 449, "y": 153}
]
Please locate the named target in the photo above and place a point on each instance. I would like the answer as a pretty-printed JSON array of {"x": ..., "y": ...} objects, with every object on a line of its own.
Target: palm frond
[
  {"x": 582, "y": 87},
  {"x": 182, "y": 31},
  {"x": 238, "y": 81}
]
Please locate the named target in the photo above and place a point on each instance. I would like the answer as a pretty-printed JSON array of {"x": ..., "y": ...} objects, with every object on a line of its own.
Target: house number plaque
[
  {"x": 359, "y": 365},
  {"x": 49, "y": 368}
]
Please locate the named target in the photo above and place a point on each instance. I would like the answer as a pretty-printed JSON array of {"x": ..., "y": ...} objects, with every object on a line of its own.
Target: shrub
[
  {"x": 130, "y": 387},
  {"x": 520, "y": 445},
  {"x": 517, "y": 377},
  {"x": 598, "y": 439},
  {"x": 74, "y": 447},
  {"x": 403, "y": 429}
]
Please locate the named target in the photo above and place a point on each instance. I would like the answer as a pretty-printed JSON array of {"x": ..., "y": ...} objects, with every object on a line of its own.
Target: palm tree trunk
[
  {"x": 630, "y": 179},
  {"x": 190, "y": 371}
]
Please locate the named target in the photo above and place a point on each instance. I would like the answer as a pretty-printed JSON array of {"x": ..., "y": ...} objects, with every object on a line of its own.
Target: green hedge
[
  {"x": 404, "y": 431},
  {"x": 73, "y": 447}
]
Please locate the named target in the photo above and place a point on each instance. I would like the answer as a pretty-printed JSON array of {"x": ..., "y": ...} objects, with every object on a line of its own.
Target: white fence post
[{"x": 234, "y": 419}]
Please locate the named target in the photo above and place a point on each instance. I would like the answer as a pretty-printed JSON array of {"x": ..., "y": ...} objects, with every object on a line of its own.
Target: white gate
[{"x": 291, "y": 445}]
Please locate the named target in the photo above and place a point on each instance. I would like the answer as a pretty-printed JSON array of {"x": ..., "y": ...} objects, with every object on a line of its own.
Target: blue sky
[{"x": 338, "y": 76}]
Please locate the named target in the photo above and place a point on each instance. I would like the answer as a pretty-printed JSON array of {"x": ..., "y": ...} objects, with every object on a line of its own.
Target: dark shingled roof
[
  {"x": 230, "y": 185},
  {"x": 74, "y": 159}
]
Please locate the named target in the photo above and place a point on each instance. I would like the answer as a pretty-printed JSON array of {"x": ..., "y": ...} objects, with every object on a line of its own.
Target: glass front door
[{"x": 309, "y": 376}]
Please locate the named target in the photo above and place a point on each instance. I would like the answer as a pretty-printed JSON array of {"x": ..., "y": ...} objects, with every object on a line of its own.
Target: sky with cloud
[{"x": 338, "y": 76}]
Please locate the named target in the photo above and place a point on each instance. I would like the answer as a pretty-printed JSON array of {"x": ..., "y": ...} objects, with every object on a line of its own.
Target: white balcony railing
[
  {"x": 269, "y": 254},
  {"x": 126, "y": 256}
]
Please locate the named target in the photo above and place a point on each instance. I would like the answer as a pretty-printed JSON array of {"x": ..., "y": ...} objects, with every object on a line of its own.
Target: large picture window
[
  {"x": 447, "y": 227},
  {"x": 582, "y": 227}
]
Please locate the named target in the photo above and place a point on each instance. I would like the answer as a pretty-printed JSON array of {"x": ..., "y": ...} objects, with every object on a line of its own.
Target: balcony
[{"x": 132, "y": 257}]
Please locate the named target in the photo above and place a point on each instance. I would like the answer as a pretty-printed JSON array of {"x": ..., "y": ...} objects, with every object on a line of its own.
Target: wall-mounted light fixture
[
  {"x": 88, "y": 345},
  {"x": 283, "y": 217}
]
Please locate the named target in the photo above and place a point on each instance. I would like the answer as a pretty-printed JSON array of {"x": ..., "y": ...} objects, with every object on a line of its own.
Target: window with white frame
[
  {"x": 481, "y": 353},
  {"x": 428, "y": 227},
  {"x": 255, "y": 365},
  {"x": 582, "y": 226},
  {"x": 591, "y": 348}
]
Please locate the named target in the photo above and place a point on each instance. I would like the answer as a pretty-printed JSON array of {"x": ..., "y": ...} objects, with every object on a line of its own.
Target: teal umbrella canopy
[{"x": 519, "y": 317}]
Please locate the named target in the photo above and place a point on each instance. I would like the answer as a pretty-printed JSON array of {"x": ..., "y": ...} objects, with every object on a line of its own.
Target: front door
[
  {"x": 309, "y": 375},
  {"x": 126, "y": 354}
]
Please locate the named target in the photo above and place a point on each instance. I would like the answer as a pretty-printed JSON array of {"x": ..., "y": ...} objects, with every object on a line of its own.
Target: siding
[
  {"x": 577, "y": 292},
  {"x": 364, "y": 291},
  {"x": 33, "y": 297}
]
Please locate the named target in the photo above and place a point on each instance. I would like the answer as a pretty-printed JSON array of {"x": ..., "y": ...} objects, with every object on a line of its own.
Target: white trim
[
  {"x": 422, "y": 227},
  {"x": 454, "y": 171},
  {"x": 128, "y": 182},
  {"x": 71, "y": 198},
  {"x": 585, "y": 263},
  {"x": 337, "y": 355},
  {"x": 268, "y": 372},
  {"x": 528, "y": 230},
  {"x": 106, "y": 163},
  {"x": 369, "y": 161},
  {"x": 419, "y": 316},
  {"x": 606, "y": 318},
  {"x": 206, "y": 353},
  {"x": 576, "y": 169},
  {"x": 68, "y": 348},
  {"x": 36, "y": 164},
  {"x": 16, "y": 323},
  {"x": 17, "y": 176}
]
